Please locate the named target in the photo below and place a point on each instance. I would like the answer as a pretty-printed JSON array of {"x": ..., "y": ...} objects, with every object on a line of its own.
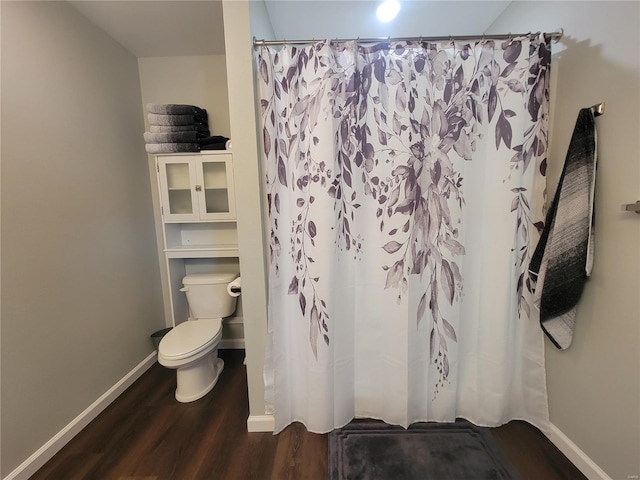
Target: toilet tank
[{"x": 207, "y": 294}]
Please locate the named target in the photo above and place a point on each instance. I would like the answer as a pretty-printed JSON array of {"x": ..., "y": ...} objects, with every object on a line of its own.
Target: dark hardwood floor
[{"x": 146, "y": 435}]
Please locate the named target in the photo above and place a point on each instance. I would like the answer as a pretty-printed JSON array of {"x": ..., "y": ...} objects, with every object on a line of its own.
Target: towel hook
[
  {"x": 632, "y": 207},
  {"x": 598, "y": 109}
]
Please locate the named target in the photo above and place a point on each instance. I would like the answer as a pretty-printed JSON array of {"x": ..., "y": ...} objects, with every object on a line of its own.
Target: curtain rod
[{"x": 555, "y": 36}]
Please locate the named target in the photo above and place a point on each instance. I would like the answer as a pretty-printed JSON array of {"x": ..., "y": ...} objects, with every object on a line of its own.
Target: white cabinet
[
  {"x": 196, "y": 187},
  {"x": 197, "y": 202}
]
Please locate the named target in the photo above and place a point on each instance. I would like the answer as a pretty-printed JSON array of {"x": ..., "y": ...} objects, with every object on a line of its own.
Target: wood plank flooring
[{"x": 146, "y": 435}]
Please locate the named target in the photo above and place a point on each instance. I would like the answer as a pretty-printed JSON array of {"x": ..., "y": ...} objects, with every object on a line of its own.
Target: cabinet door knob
[{"x": 198, "y": 188}]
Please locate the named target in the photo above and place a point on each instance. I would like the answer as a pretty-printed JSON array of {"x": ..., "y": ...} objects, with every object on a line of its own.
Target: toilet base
[{"x": 197, "y": 379}]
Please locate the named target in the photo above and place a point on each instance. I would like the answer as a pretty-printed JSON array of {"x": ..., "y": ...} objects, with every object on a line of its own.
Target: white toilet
[{"x": 192, "y": 346}]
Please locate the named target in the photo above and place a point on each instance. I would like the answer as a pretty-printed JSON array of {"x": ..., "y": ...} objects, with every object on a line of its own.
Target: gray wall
[
  {"x": 594, "y": 385},
  {"x": 80, "y": 278}
]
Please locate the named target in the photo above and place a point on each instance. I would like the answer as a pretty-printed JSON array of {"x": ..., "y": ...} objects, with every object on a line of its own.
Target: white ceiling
[
  {"x": 159, "y": 28},
  {"x": 309, "y": 19}
]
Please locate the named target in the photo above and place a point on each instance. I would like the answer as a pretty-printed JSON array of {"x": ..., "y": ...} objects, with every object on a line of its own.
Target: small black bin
[{"x": 157, "y": 336}]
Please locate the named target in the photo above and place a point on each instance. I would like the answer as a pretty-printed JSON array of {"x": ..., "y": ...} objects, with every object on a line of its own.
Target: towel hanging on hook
[{"x": 563, "y": 258}]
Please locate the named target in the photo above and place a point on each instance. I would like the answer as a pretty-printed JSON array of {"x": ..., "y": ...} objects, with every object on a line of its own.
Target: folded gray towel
[
  {"x": 158, "y": 119},
  {"x": 179, "y": 128},
  {"x": 173, "y": 109},
  {"x": 170, "y": 120},
  {"x": 171, "y": 147},
  {"x": 171, "y": 128},
  {"x": 173, "y": 137}
]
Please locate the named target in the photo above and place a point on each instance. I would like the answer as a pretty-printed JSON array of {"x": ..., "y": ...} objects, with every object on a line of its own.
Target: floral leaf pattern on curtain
[{"x": 399, "y": 120}]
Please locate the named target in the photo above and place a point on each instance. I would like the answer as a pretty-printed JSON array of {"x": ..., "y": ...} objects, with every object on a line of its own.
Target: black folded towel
[
  {"x": 214, "y": 146},
  {"x": 174, "y": 109},
  {"x": 214, "y": 142},
  {"x": 172, "y": 137},
  {"x": 214, "y": 139}
]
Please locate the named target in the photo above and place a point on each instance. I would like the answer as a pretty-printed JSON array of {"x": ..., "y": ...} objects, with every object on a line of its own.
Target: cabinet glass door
[
  {"x": 217, "y": 182},
  {"x": 176, "y": 189}
]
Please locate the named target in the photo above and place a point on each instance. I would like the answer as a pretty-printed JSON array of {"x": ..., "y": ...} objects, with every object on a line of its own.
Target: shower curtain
[{"x": 405, "y": 186}]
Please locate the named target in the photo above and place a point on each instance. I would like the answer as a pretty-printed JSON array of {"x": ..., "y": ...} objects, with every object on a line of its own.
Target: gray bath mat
[{"x": 368, "y": 450}]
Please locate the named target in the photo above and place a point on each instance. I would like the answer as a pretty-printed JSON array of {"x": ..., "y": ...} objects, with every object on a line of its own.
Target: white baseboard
[
  {"x": 53, "y": 446},
  {"x": 580, "y": 459},
  {"x": 261, "y": 423}
]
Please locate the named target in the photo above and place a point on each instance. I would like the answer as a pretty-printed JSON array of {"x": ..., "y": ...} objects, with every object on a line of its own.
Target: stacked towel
[
  {"x": 171, "y": 137},
  {"x": 215, "y": 142},
  {"x": 173, "y": 109},
  {"x": 175, "y": 128},
  {"x": 563, "y": 258}
]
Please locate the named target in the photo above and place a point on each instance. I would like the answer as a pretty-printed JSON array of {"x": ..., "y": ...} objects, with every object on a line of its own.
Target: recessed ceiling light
[{"x": 388, "y": 10}]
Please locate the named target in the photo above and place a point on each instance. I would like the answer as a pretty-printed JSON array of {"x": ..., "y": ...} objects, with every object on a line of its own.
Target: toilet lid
[{"x": 190, "y": 337}]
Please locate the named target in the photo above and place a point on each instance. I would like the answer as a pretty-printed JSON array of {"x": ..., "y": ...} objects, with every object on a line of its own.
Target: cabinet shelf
[
  {"x": 197, "y": 236},
  {"x": 202, "y": 251},
  {"x": 187, "y": 222}
]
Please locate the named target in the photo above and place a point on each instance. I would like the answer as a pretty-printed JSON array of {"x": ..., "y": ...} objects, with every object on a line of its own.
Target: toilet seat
[{"x": 190, "y": 337}]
